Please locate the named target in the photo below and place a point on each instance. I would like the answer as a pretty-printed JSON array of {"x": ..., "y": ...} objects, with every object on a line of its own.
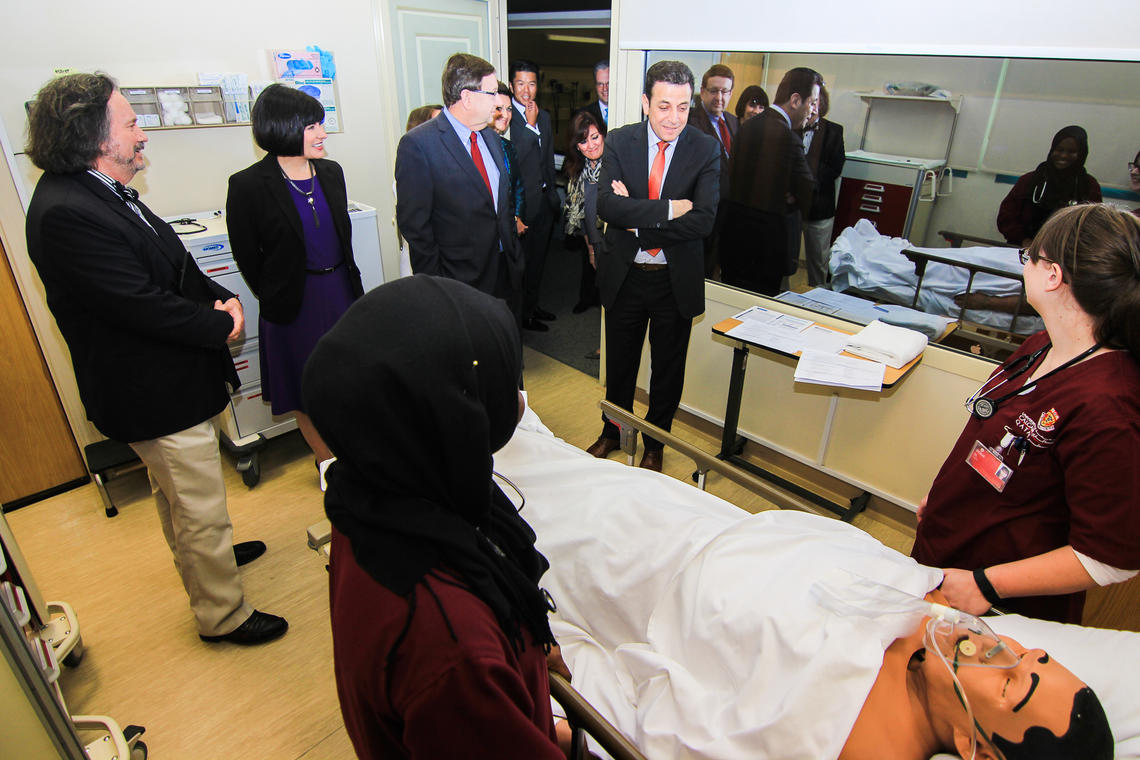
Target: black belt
[
  {"x": 326, "y": 270},
  {"x": 649, "y": 267}
]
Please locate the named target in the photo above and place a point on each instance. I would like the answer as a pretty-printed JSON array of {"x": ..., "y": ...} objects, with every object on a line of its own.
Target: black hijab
[
  {"x": 414, "y": 389},
  {"x": 1056, "y": 188}
]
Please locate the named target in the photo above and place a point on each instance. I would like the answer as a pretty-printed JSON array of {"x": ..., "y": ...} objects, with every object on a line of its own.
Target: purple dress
[{"x": 284, "y": 348}]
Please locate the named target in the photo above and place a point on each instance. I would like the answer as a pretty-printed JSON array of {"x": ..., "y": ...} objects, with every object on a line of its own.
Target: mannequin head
[{"x": 1036, "y": 709}]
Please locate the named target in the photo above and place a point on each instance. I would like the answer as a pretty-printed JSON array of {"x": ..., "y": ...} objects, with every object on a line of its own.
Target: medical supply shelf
[{"x": 732, "y": 444}]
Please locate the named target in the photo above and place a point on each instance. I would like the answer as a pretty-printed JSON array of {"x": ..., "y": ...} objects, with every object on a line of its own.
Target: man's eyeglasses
[
  {"x": 482, "y": 92},
  {"x": 719, "y": 90}
]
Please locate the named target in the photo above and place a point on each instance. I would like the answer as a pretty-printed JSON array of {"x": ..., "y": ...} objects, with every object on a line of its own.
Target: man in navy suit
[
  {"x": 453, "y": 198},
  {"x": 147, "y": 332},
  {"x": 711, "y": 116},
  {"x": 659, "y": 191},
  {"x": 532, "y": 134}
]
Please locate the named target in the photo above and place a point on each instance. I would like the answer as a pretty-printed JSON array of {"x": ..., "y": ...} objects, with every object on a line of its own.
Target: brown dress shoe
[
  {"x": 651, "y": 460},
  {"x": 603, "y": 447}
]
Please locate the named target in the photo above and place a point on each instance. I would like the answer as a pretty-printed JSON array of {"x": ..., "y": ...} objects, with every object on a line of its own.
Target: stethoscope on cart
[{"x": 984, "y": 407}]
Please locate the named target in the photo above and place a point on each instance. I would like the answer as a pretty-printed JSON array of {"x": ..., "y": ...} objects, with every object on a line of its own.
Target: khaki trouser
[{"x": 185, "y": 470}]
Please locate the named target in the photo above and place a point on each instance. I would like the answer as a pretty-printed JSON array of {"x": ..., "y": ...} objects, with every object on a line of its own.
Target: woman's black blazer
[{"x": 268, "y": 240}]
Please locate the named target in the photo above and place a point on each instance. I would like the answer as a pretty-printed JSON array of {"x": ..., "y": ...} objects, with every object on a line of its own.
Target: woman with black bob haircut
[
  {"x": 751, "y": 102},
  {"x": 440, "y": 632},
  {"x": 288, "y": 223}
]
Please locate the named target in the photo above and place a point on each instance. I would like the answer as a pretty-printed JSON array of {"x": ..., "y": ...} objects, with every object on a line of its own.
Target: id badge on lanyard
[{"x": 988, "y": 463}]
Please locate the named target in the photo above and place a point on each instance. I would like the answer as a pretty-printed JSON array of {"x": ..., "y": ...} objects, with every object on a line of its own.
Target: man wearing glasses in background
[
  {"x": 711, "y": 116},
  {"x": 453, "y": 199},
  {"x": 600, "y": 108}
]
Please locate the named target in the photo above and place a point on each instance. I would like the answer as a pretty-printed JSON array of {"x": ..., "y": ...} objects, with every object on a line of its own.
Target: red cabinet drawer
[{"x": 884, "y": 205}]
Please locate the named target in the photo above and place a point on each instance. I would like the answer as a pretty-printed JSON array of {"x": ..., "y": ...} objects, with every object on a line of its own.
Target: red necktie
[
  {"x": 725, "y": 137},
  {"x": 656, "y": 174},
  {"x": 477, "y": 157}
]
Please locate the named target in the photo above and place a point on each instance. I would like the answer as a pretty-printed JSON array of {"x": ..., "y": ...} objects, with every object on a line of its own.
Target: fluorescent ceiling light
[{"x": 575, "y": 38}]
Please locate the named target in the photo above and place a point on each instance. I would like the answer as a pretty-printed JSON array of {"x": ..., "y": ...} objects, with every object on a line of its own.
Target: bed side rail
[{"x": 584, "y": 718}]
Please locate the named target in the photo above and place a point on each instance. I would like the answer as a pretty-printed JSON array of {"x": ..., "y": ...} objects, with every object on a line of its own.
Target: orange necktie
[{"x": 656, "y": 174}]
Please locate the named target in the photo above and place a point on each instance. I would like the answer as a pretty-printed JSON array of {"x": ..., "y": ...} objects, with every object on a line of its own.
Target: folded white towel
[{"x": 880, "y": 342}]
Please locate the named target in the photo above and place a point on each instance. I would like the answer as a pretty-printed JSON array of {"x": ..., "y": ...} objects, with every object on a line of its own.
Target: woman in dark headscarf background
[
  {"x": 440, "y": 634},
  {"x": 1058, "y": 181}
]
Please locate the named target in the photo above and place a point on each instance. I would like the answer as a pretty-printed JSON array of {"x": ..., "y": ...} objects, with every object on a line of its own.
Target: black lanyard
[{"x": 983, "y": 408}]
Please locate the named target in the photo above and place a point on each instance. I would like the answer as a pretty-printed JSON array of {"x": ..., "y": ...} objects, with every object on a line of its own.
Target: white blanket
[{"x": 694, "y": 626}]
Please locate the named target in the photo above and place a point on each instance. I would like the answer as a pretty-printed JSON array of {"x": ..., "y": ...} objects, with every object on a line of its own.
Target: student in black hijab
[
  {"x": 440, "y": 634},
  {"x": 1058, "y": 181}
]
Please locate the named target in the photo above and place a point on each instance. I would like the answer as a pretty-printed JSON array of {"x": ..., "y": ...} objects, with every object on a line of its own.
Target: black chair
[{"x": 107, "y": 460}]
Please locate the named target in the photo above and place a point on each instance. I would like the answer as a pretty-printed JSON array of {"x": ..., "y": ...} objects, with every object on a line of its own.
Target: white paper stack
[
  {"x": 880, "y": 342},
  {"x": 821, "y": 368}
]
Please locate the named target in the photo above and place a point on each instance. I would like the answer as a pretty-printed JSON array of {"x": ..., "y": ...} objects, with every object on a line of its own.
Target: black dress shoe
[
  {"x": 248, "y": 551},
  {"x": 603, "y": 447},
  {"x": 543, "y": 314},
  {"x": 534, "y": 324},
  {"x": 258, "y": 629},
  {"x": 651, "y": 460}
]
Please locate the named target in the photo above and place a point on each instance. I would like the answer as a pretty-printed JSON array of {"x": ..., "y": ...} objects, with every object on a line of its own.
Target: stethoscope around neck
[{"x": 984, "y": 407}]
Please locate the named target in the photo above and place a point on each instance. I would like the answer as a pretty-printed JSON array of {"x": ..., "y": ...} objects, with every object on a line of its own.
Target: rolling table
[{"x": 732, "y": 444}]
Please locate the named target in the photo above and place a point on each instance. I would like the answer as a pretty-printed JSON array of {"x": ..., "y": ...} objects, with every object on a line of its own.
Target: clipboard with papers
[{"x": 823, "y": 360}]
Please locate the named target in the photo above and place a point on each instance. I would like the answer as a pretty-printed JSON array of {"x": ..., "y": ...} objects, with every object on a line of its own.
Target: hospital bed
[
  {"x": 642, "y": 566},
  {"x": 891, "y": 269}
]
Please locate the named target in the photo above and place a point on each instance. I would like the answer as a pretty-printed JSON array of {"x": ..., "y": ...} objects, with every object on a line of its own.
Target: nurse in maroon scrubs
[{"x": 1039, "y": 499}]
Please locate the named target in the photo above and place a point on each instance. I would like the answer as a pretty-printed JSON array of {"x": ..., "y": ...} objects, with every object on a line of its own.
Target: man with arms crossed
[
  {"x": 147, "y": 333},
  {"x": 658, "y": 191}
]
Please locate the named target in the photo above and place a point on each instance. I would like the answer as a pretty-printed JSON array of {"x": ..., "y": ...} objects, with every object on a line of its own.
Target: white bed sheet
[
  {"x": 665, "y": 593},
  {"x": 863, "y": 259}
]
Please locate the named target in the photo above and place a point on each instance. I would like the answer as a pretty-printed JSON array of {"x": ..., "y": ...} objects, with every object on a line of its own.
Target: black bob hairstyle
[{"x": 280, "y": 116}]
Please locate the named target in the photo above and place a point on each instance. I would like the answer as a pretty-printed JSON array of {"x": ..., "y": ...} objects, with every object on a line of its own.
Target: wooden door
[{"x": 38, "y": 453}]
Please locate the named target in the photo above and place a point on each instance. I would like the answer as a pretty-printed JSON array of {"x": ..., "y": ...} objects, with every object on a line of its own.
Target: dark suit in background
[
  {"x": 267, "y": 239},
  {"x": 825, "y": 157},
  {"x": 665, "y": 300},
  {"x": 761, "y": 235},
  {"x": 595, "y": 110},
  {"x": 151, "y": 362},
  {"x": 449, "y": 220},
  {"x": 536, "y": 168},
  {"x": 699, "y": 118}
]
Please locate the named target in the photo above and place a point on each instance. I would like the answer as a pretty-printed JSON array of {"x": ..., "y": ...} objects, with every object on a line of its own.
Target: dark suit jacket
[
  {"x": 445, "y": 213},
  {"x": 536, "y": 162},
  {"x": 595, "y": 110},
  {"x": 699, "y": 118},
  {"x": 148, "y": 348},
  {"x": 694, "y": 173},
  {"x": 825, "y": 158},
  {"x": 768, "y": 162},
  {"x": 268, "y": 240}
]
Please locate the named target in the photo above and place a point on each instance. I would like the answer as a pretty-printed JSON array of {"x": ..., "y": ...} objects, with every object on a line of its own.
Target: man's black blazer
[
  {"x": 268, "y": 240},
  {"x": 694, "y": 173},
  {"x": 699, "y": 118},
  {"x": 445, "y": 213},
  {"x": 767, "y": 163},
  {"x": 536, "y": 162},
  {"x": 825, "y": 158},
  {"x": 148, "y": 347},
  {"x": 595, "y": 110}
]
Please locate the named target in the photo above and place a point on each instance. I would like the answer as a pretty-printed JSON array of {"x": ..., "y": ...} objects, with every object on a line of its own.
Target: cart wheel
[
  {"x": 138, "y": 752},
  {"x": 696, "y": 476},
  {"x": 251, "y": 476}
]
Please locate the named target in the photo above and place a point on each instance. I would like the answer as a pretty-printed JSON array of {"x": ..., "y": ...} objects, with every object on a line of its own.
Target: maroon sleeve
[
  {"x": 1101, "y": 462},
  {"x": 1094, "y": 190},
  {"x": 1016, "y": 211},
  {"x": 480, "y": 708}
]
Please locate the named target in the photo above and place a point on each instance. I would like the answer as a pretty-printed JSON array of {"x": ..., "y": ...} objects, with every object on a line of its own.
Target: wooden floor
[{"x": 144, "y": 663}]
